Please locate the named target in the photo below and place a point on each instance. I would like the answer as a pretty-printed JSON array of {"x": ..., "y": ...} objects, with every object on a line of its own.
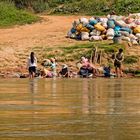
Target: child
[{"x": 119, "y": 57}]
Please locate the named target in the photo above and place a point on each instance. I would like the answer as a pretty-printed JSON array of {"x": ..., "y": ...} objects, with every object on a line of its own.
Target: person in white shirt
[{"x": 32, "y": 64}]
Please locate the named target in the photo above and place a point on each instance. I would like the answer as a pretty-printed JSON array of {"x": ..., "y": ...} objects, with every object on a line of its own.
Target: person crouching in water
[
  {"x": 64, "y": 71},
  {"x": 32, "y": 64},
  {"x": 87, "y": 69},
  {"x": 119, "y": 57},
  {"x": 53, "y": 67}
]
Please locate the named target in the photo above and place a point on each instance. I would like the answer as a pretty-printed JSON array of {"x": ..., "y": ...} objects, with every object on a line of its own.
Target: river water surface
[{"x": 70, "y": 109}]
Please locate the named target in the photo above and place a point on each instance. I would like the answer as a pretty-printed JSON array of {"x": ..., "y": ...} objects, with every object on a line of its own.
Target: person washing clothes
[
  {"x": 53, "y": 66},
  {"x": 32, "y": 64}
]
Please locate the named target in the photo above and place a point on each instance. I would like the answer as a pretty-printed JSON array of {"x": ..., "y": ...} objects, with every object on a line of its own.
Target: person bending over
[{"x": 32, "y": 64}]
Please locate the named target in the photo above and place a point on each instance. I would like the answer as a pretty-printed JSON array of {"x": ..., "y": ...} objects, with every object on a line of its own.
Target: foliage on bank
[
  {"x": 92, "y": 7},
  {"x": 75, "y": 52},
  {"x": 13, "y": 11},
  {"x": 9, "y": 15},
  {"x": 99, "y": 7}
]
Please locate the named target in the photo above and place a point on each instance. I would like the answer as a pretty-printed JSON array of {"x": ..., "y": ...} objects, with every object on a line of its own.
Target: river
[{"x": 70, "y": 109}]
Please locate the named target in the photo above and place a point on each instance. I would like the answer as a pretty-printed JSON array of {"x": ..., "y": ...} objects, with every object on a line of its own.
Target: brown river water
[{"x": 70, "y": 109}]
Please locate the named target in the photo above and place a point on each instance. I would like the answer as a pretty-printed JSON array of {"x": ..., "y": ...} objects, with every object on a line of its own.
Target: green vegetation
[
  {"x": 131, "y": 59},
  {"x": 13, "y": 11},
  {"x": 9, "y": 15},
  {"x": 132, "y": 71},
  {"x": 74, "y": 53},
  {"x": 91, "y": 7},
  {"x": 99, "y": 7}
]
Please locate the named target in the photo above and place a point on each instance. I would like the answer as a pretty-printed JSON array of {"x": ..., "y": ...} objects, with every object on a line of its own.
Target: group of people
[
  {"x": 48, "y": 69},
  {"x": 117, "y": 61},
  {"x": 86, "y": 69},
  {"x": 32, "y": 67}
]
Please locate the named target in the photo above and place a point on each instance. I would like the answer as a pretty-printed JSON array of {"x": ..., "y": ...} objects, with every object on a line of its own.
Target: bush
[
  {"x": 126, "y": 6},
  {"x": 101, "y": 7},
  {"x": 40, "y": 6},
  {"x": 92, "y": 7}
]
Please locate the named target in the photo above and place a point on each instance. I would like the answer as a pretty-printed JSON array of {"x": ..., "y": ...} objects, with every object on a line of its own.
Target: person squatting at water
[
  {"x": 108, "y": 72},
  {"x": 86, "y": 68},
  {"x": 64, "y": 72},
  {"x": 119, "y": 57},
  {"x": 31, "y": 65},
  {"x": 53, "y": 67},
  {"x": 49, "y": 68}
]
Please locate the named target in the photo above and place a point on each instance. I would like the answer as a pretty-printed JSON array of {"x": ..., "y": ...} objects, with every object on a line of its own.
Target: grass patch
[
  {"x": 132, "y": 71},
  {"x": 110, "y": 48},
  {"x": 9, "y": 15},
  {"x": 75, "y": 52},
  {"x": 131, "y": 59}
]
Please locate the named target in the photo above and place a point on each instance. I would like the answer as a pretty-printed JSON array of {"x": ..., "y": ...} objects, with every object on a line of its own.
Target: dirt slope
[
  {"x": 19, "y": 41},
  {"x": 16, "y": 43}
]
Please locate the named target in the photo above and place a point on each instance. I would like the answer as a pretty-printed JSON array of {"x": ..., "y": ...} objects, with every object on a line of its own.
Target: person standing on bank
[
  {"x": 32, "y": 64},
  {"x": 119, "y": 57}
]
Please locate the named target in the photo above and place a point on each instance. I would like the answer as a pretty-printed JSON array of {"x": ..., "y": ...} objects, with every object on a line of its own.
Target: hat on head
[{"x": 64, "y": 66}]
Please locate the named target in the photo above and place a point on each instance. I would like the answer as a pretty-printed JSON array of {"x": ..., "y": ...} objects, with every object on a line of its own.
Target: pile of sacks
[{"x": 111, "y": 27}]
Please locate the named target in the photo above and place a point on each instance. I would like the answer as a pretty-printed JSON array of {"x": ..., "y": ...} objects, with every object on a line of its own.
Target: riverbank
[{"x": 48, "y": 39}]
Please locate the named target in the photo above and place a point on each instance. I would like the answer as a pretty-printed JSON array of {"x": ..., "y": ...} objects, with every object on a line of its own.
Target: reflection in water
[
  {"x": 85, "y": 97},
  {"x": 118, "y": 88},
  {"x": 70, "y": 109},
  {"x": 33, "y": 85},
  {"x": 116, "y": 101},
  {"x": 54, "y": 87},
  {"x": 33, "y": 89},
  {"x": 97, "y": 102}
]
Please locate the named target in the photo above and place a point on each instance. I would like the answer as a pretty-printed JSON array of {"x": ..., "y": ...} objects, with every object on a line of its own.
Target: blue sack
[
  {"x": 126, "y": 29},
  {"x": 110, "y": 23},
  {"x": 90, "y": 27},
  {"x": 117, "y": 34},
  {"x": 117, "y": 28},
  {"x": 93, "y": 22},
  {"x": 73, "y": 30}
]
